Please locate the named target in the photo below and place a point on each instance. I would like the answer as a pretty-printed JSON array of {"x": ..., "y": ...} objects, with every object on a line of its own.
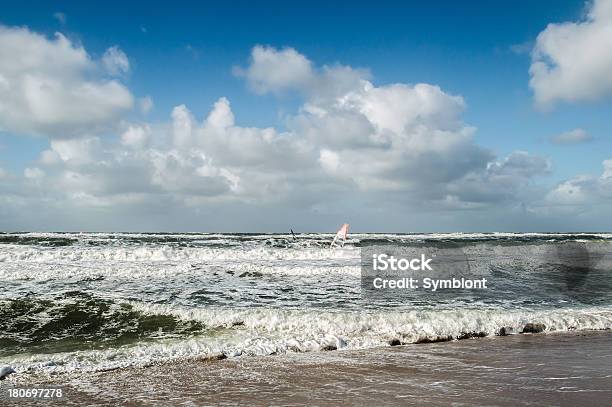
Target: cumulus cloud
[
  {"x": 406, "y": 140},
  {"x": 504, "y": 180},
  {"x": 571, "y": 61},
  {"x": 394, "y": 144},
  {"x": 49, "y": 87},
  {"x": 575, "y": 136},
  {"x": 115, "y": 61},
  {"x": 33, "y": 173},
  {"x": 583, "y": 191},
  {"x": 136, "y": 136},
  {"x": 273, "y": 70},
  {"x": 576, "y": 191},
  {"x": 329, "y": 161},
  {"x": 277, "y": 71}
]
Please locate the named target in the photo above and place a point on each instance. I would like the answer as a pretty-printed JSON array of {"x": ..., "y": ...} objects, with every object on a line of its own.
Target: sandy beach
[{"x": 535, "y": 370}]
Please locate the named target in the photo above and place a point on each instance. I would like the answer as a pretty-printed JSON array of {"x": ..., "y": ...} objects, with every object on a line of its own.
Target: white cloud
[
  {"x": 221, "y": 116},
  {"x": 399, "y": 139},
  {"x": 402, "y": 108},
  {"x": 115, "y": 61},
  {"x": 49, "y": 158},
  {"x": 273, "y": 70},
  {"x": 575, "y": 136},
  {"x": 329, "y": 160},
  {"x": 76, "y": 151},
  {"x": 276, "y": 71},
  {"x": 136, "y": 136},
  {"x": 576, "y": 191},
  {"x": 396, "y": 137},
  {"x": 33, "y": 173},
  {"x": 504, "y": 181},
  {"x": 572, "y": 61},
  {"x": 182, "y": 126},
  {"x": 583, "y": 191},
  {"x": 49, "y": 87},
  {"x": 187, "y": 174},
  {"x": 396, "y": 144}
]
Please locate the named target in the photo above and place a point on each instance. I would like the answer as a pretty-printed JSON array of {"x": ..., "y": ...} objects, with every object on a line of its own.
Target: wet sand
[{"x": 535, "y": 370}]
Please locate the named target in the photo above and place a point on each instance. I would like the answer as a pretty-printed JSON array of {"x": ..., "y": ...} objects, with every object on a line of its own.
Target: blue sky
[{"x": 184, "y": 53}]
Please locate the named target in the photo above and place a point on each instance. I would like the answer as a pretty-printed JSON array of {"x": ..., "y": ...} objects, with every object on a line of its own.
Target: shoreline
[{"x": 563, "y": 368}]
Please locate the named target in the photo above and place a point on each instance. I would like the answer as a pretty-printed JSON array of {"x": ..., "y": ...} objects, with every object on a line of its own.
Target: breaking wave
[{"x": 91, "y": 334}]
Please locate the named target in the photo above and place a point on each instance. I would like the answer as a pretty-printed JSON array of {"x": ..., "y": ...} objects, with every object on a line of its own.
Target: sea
[{"x": 72, "y": 303}]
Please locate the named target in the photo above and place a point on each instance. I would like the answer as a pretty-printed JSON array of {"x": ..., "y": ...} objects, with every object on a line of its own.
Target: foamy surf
[
  {"x": 78, "y": 302},
  {"x": 260, "y": 332}
]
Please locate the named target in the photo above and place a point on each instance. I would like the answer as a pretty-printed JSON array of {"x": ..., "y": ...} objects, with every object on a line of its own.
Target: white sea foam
[
  {"x": 271, "y": 331},
  {"x": 14, "y": 253}
]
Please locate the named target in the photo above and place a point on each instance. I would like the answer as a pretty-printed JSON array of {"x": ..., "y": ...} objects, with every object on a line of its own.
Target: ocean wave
[
  {"x": 269, "y": 331},
  {"x": 224, "y": 250},
  {"x": 78, "y": 320},
  {"x": 167, "y": 254},
  {"x": 278, "y": 239}
]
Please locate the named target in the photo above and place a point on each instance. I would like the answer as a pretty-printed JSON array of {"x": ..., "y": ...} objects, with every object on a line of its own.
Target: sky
[{"x": 398, "y": 117}]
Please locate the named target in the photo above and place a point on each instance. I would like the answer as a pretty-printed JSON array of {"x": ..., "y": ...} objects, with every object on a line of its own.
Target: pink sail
[{"x": 341, "y": 235}]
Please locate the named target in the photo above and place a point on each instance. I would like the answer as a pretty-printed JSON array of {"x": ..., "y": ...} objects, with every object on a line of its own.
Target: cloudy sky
[{"x": 438, "y": 117}]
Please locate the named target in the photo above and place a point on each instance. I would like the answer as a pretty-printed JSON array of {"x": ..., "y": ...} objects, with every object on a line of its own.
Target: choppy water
[{"x": 88, "y": 301}]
